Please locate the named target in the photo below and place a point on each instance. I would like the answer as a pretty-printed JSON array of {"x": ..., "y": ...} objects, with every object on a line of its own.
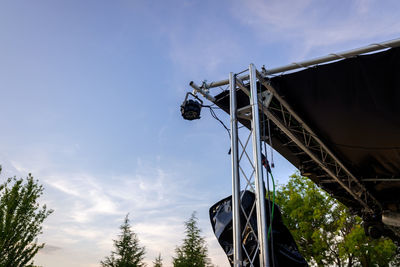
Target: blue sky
[{"x": 90, "y": 96}]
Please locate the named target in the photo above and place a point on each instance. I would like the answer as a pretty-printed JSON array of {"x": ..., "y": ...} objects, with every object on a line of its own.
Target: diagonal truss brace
[{"x": 304, "y": 138}]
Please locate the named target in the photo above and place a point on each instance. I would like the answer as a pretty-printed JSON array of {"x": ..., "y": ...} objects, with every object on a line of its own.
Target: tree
[
  {"x": 21, "y": 219},
  {"x": 193, "y": 251},
  {"x": 128, "y": 252},
  {"x": 158, "y": 261},
  {"x": 367, "y": 251},
  {"x": 324, "y": 229}
]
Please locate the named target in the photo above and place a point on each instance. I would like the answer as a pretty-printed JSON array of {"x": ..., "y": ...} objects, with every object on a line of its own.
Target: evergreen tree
[
  {"x": 21, "y": 219},
  {"x": 158, "y": 261},
  {"x": 193, "y": 251},
  {"x": 128, "y": 252}
]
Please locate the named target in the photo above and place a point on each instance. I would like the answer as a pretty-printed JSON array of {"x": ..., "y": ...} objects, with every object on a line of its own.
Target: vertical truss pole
[
  {"x": 260, "y": 191},
  {"x": 237, "y": 235}
]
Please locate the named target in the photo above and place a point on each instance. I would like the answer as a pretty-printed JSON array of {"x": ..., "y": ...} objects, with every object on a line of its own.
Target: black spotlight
[{"x": 190, "y": 108}]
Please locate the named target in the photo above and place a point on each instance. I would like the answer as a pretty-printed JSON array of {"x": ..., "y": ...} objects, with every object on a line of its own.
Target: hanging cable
[
  {"x": 270, "y": 145},
  {"x": 273, "y": 204},
  {"x": 267, "y": 167},
  {"x": 218, "y": 119}
]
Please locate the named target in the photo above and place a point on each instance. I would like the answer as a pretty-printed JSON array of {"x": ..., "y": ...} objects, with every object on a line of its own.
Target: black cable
[
  {"x": 270, "y": 142},
  {"x": 223, "y": 124},
  {"x": 268, "y": 169}
]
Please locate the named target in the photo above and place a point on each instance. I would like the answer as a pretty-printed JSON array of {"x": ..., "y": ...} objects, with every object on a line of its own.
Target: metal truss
[
  {"x": 316, "y": 159},
  {"x": 301, "y": 139},
  {"x": 281, "y": 114},
  {"x": 247, "y": 169},
  {"x": 307, "y": 143}
]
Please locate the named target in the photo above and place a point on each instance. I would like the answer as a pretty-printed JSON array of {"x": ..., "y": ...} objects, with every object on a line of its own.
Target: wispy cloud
[
  {"x": 200, "y": 43},
  {"x": 203, "y": 50},
  {"x": 294, "y": 29},
  {"x": 311, "y": 24},
  {"x": 87, "y": 195},
  {"x": 89, "y": 209}
]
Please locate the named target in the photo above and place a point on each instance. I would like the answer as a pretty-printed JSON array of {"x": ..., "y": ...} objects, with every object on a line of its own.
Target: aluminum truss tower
[{"x": 247, "y": 168}]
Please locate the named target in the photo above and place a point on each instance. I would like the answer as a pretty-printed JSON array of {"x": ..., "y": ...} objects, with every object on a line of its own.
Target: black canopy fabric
[{"x": 353, "y": 106}]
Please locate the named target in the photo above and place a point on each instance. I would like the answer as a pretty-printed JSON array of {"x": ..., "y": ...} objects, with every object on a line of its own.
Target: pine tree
[
  {"x": 193, "y": 252},
  {"x": 21, "y": 219},
  {"x": 128, "y": 252},
  {"x": 158, "y": 261}
]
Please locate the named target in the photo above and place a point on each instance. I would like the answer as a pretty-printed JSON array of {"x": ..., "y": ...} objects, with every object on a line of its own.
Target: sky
[{"x": 90, "y": 94}]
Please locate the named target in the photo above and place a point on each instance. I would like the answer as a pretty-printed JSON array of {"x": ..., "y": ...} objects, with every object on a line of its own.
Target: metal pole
[
  {"x": 260, "y": 191},
  {"x": 320, "y": 60},
  {"x": 336, "y": 56},
  {"x": 225, "y": 82},
  {"x": 237, "y": 235}
]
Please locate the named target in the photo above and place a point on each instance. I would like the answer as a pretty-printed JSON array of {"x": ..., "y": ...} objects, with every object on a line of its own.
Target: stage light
[{"x": 190, "y": 108}]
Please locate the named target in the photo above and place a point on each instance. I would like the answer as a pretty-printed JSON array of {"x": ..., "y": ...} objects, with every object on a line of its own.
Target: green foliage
[
  {"x": 367, "y": 251},
  {"x": 158, "y": 261},
  {"x": 128, "y": 252},
  {"x": 193, "y": 251},
  {"x": 21, "y": 218},
  {"x": 325, "y": 231}
]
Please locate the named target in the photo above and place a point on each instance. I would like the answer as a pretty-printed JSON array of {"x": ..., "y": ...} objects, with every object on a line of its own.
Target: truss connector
[
  {"x": 264, "y": 101},
  {"x": 202, "y": 91},
  {"x": 266, "y": 98}
]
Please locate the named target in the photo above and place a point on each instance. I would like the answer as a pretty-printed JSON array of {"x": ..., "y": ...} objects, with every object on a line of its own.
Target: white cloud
[
  {"x": 82, "y": 232},
  {"x": 282, "y": 15},
  {"x": 85, "y": 194},
  {"x": 63, "y": 186},
  {"x": 89, "y": 209},
  {"x": 202, "y": 48},
  {"x": 202, "y": 52},
  {"x": 310, "y": 24}
]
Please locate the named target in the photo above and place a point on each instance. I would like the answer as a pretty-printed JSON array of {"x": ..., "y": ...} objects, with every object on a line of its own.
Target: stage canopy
[{"x": 353, "y": 107}]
